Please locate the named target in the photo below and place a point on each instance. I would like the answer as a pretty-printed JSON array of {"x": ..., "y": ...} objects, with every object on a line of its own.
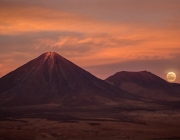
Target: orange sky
[{"x": 101, "y": 36}]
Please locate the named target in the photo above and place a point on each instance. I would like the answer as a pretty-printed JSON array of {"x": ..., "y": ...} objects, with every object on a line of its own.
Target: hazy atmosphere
[
  {"x": 101, "y": 36},
  {"x": 89, "y": 69}
]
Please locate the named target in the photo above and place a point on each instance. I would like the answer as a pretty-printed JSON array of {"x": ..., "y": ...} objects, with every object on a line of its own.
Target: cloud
[
  {"x": 91, "y": 32},
  {"x": 156, "y": 14},
  {"x": 18, "y": 18},
  {"x": 86, "y": 43}
]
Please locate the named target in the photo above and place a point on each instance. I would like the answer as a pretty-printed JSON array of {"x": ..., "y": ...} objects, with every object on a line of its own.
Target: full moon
[{"x": 171, "y": 76}]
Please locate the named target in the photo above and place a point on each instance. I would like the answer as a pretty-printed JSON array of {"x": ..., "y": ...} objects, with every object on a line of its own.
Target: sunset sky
[{"x": 101, "y": 36}]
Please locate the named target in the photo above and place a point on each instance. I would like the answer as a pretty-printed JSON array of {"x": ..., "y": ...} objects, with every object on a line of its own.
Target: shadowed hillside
[{"x": 52, "y": 79}]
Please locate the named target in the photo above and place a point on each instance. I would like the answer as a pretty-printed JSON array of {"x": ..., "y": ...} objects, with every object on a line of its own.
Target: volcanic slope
[
  {"x": 52, "y": 79},
  {"x": 145, "y": 84}
]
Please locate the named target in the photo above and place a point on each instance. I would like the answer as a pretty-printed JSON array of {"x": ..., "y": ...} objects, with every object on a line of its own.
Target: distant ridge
[
  {"x": 145, "y": 84},
  {"x": 144, "y": 78}
]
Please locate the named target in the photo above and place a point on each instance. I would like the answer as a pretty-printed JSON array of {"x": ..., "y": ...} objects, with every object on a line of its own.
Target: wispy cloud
[
  {"x": 90, "y": 32},
  {"x": 18, "y": 18}
]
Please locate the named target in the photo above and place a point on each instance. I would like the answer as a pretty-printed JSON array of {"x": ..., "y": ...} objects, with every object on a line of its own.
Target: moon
[{"x": 171, "y": 76}]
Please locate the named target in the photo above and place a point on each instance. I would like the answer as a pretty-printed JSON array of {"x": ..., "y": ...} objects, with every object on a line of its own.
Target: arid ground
[{"x": 92, "y": 124}]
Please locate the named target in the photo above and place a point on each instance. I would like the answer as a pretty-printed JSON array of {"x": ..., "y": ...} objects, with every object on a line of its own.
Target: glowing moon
[{"x": 171, "y": 76}]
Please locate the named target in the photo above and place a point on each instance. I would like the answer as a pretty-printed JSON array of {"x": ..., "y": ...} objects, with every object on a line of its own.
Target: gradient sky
[{"x": 101, "y": 36}]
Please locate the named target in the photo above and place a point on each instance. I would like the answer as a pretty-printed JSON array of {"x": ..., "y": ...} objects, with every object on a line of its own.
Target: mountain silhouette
[
  {"x": 52, "y": 79},
  {"x": 145, "y": 84}
]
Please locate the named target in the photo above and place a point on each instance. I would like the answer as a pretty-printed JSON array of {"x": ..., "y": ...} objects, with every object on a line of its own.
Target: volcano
[
  {"x": 52, "y": 79},
  {"x": 145, "y": 84}
]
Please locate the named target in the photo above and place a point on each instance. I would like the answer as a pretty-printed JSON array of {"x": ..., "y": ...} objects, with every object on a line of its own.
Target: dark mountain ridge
[
  {"x": 51, "y": 79},
  {"x": 145, "y": 84},
  {"x": 143, "y": 78}
]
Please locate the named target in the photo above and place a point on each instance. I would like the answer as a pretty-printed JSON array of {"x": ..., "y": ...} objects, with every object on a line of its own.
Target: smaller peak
[
  {"x": 134, "y": 73},
  {"x": 144, "y": 71}
]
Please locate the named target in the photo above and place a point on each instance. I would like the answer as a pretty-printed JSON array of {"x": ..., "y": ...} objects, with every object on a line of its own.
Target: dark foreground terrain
[{"x": 94, "y": 123}]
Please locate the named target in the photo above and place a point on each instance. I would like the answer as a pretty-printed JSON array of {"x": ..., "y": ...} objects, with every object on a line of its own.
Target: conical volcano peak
[
  {"x": 50, "y": 55},
  {"x": 51, "y": 78}
]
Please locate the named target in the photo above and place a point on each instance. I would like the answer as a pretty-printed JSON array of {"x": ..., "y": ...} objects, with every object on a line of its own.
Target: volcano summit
[{"x": 52, "y": 79}]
